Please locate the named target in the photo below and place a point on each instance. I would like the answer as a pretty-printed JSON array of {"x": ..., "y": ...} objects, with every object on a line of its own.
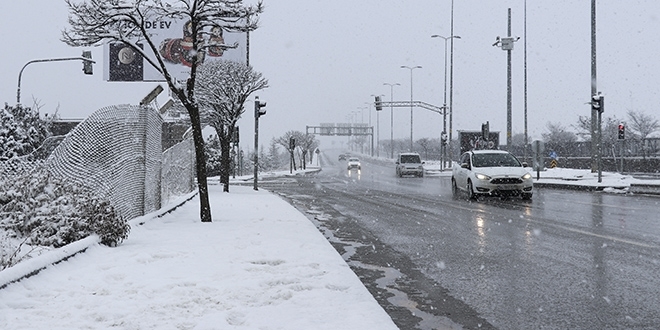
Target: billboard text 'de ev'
[{"x": 174, "y": 44}]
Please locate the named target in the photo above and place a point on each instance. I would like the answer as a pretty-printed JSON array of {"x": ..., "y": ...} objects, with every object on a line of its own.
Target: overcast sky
[{"x": 324, "y": 60}]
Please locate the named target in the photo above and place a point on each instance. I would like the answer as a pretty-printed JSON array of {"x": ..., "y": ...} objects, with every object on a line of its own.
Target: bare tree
[
  {"x": 284, "y": 141},
  {"x": 307, "y": 143},
  {"x": 222, "y": 89},
  {"x": 642, "y": 123},
  {"x": 558, "y": 134},
  {"x": 425, "y": 144},
  {"x": 610, "y": 130},
  {"x": 95, "y": 22}
]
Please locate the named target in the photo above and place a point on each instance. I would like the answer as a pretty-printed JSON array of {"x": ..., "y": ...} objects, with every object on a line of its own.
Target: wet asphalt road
[{"x": 565, "y": 260}]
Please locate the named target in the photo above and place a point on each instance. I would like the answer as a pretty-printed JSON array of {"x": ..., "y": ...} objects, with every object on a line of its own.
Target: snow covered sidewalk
[{"x": 260, "y": 265}]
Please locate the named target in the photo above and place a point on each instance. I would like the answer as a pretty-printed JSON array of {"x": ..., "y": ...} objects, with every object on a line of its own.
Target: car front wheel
[{"x": 470, "y": 191}]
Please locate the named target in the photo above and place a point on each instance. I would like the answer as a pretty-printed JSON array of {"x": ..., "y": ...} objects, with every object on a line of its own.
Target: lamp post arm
[{"x": 20, "y": 74}]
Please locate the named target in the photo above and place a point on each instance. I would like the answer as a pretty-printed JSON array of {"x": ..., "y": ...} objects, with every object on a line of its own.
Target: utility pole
[
  {"x": 507, "y": 44},
  {"x": 391, "y": 117},
  {"x": 595, "y": 142}
]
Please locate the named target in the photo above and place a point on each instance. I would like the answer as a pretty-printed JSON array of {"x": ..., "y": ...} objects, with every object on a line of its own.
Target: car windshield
[
  {"x": 410, "y": 159},
  {"x": 353, "y": 160},
  {"x": 495, "y": 160}
]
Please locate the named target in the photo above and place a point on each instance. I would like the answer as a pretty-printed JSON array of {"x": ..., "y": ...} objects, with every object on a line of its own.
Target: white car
[
  {"x": 354, "y": 164},
  {"x": 409, "y": 163},
  {"x": 491, "y": 173}
]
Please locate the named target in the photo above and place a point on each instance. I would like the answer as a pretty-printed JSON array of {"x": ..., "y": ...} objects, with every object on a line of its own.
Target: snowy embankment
[{"x": 34, "y": 265}]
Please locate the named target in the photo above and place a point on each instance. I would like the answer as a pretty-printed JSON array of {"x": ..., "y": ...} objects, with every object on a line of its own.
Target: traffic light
[
  {"x": 235, "y": 138},
  {"x": 258, "y": 107},
  {"x": 598, "y": 102},
  {"x": 87, "y": 64},
  {"x": 485, "y": 131},
  {"x": 622, "y": 132},
  {"x": 292, "y": 143},
  {"x": 379, "y": 107}
]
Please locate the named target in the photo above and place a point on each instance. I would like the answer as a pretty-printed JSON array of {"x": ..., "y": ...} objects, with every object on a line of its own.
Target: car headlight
[
  {"x": 527, "y": 176},
  {"x": 481, "y": 176}
]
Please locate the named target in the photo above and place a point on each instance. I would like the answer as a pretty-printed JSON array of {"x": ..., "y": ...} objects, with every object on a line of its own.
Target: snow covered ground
[{"x": 260, "y": 265}]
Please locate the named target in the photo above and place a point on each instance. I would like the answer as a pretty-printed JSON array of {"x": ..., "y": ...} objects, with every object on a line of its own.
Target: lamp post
[
  {"x": 391, "y": 117},
  {"x": 444, "y": 102},
  {"x": 506, "y": 43},
  {"x": 411, "y": 100}
]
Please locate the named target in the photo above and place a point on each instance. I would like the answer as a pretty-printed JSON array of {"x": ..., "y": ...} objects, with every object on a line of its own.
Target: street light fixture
[
  {"x": 411, "y": 101},
  {"x": 391, "y": 117},
  {"x": 444, "y": 102}
]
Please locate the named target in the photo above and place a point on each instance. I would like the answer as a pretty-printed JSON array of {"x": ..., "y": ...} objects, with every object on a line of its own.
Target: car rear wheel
[{"x": 470, "y": 192}]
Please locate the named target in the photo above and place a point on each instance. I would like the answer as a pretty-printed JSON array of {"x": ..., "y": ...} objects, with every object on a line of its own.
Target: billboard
[
  {"x": 473, "y": 140},
  {"x": 173, "y": 40}
]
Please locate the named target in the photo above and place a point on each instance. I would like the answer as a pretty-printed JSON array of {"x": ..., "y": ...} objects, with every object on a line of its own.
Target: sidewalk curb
[{"x": 565, "y": 186}]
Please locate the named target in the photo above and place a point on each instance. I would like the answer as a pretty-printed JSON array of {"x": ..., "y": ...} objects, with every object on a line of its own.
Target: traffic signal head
[
  {"x": 379, "y": 107},
  {"x": 259, "y": 107},
  {"x": 597, "y": 102},
  {"x": 622, "y": 132},
  {"x": 485, "y": 131},
  {"x": 292, "y": 143},
  {"x": 87, "y": 64}
]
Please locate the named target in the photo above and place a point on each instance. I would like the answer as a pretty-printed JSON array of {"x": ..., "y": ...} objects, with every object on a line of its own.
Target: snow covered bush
[
  {"x": 21, "y": 131},
  {"x": 42, "y": 210}
]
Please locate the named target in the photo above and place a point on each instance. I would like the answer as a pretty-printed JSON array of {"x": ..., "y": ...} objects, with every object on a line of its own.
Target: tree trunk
[
  {"x": 225, "y": 159},
  {"x": 202, "y": 185}
]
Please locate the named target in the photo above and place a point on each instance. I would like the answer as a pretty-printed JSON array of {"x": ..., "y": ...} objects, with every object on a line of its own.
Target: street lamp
[
  {"x": 391, "y": 117},
  {"x": 444, "y": 102},
  {"x": 411, "y": 101}
]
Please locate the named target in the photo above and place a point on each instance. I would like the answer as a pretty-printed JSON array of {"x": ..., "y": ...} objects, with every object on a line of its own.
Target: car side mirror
[
  {"x": 465, "y": 165},
  {"x": 524, "y": 164},
  {"x": 423, "y": 163}
]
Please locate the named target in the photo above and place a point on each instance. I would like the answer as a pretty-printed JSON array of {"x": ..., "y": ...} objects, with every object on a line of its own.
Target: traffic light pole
[
  {"x": 256, "y": 148},
  {"x": 20, "y": 74},
  {"x": 258, "y": 112}
]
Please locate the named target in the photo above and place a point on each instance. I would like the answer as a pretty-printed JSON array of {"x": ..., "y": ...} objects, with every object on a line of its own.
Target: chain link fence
[{"x": 117, "y": 153}]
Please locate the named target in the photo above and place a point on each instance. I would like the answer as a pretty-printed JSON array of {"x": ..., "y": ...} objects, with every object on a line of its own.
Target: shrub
[{"x": 52, "y": 212}]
